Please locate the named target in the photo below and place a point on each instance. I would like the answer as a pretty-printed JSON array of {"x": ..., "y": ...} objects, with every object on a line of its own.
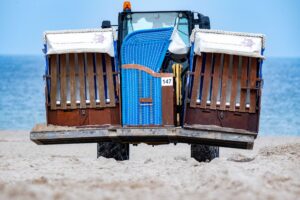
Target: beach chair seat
[{"x": 81, "y": 80}]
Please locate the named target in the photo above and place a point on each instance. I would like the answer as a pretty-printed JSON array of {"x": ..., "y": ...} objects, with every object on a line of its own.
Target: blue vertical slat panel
[{"x": 147, "y": 48}]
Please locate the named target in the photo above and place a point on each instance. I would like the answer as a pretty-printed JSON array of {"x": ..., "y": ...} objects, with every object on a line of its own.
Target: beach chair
[
  {"x": 142, "y": 55},
  {"x": 82, "y": 80},
  {"x": 226, "y": 80}
]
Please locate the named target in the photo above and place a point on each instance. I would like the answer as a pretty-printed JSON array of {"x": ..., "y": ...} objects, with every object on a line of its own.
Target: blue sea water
[{"x": 22, "y": 94}]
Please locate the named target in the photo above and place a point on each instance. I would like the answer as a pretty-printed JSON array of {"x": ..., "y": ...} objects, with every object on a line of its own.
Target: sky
[{"x": 22, "y": 22}]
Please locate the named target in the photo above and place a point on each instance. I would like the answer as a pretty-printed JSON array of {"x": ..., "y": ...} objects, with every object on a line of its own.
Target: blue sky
[{"x": 22, "y": 23}]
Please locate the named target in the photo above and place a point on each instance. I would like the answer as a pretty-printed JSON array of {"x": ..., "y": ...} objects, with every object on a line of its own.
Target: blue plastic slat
[{"x": 147, "y": 48}]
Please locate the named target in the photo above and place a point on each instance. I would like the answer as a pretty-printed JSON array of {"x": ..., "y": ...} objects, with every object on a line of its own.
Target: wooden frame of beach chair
[
  {"x": 83, "y": 90},
  {"x": 225, "y": 91}
]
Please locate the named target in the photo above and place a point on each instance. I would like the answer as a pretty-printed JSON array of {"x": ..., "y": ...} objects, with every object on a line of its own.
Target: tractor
[{"x": 157, "y": 77}]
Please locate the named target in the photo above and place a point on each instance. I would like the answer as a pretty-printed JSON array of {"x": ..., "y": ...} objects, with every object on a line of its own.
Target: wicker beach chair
[{"x": 142, "y": 54}]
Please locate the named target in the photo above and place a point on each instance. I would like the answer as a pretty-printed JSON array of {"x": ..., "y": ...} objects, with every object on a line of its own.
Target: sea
[{"x": 22, "y": 101}]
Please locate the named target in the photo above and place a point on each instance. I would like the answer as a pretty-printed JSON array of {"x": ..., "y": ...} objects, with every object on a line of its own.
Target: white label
[{"x": 167, "y": 81}]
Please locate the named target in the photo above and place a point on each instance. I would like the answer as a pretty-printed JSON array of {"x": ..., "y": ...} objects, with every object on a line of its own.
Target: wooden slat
[
  {"x": 72, "y": 80},
  {"x": 207, "y": 80},
  {"x": 53, "y": 81},
  {"x": 63, "y": 81},
  {"x": 245, "y": 61},
  {"x": 234, "y": 82},
  {"x": 224, "y": 81},
  {"x": 99, "y": 70},
  {"x": 110, "y": 81},
  {"x": 196, "y": 81},
  {"x": 252, "y": 78},
  {"x": 81, "y": 80},
  {"x": 147, "y": 70},
  {"x": 216, "y": 79},
  {"x": 146, "y": 100},
  {"x": 90, "y": 77}
]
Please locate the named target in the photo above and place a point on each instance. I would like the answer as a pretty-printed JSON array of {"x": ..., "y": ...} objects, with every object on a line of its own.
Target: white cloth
[
  {"x": 177, "y": 45},
  {"x": 80, "y": 41},
  {"x": 243, "y": 44}
]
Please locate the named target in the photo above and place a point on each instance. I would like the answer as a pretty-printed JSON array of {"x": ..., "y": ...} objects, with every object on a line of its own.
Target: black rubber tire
[
  {"x": 204, "y": 153},
  {"x": 116, "y": 150}
]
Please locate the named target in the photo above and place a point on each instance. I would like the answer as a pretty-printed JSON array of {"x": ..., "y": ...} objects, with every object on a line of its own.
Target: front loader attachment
[
  {"x": 207, "y": 135},
  {"x": 212, "y": 98}
]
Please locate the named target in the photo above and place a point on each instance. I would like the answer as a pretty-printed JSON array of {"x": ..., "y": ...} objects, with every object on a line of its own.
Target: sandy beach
[{"x": 29, "y": 171}]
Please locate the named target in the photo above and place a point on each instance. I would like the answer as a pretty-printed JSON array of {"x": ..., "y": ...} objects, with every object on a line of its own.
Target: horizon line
[{"x": 42, "y": 54}]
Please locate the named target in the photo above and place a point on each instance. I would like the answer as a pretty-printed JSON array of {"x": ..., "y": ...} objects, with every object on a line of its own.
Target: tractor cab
[{"x": 182, "y": 22}]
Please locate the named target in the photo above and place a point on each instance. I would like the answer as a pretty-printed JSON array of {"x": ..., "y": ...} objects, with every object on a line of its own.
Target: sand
[{"x": 30, "y": 171}]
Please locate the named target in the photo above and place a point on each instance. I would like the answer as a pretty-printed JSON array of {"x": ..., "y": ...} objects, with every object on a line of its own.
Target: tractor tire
[
  {"x": 116, "y": 150},
  {"x": 204, "y": 153}
]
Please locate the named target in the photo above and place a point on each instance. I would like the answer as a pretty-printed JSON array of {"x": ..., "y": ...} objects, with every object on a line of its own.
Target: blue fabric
[
  {"x": 261, "y": 63},
  {"x": 47, "y": 72},
  {"x": 116, "y": 56},
  {"x": 189, "y": 78},
  {"x": 147, "y": 48}
]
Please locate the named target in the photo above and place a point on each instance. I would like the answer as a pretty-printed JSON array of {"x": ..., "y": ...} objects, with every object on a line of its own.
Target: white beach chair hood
[
  {"x": 214, "y": 41},
  {"x": 80, "y": 41}
]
